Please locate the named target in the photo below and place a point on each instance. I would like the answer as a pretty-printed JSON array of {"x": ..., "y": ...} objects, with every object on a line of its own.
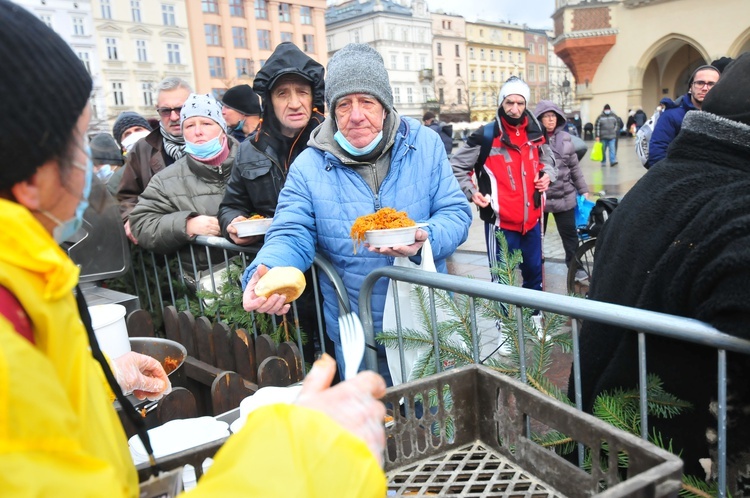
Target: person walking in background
[
  {"x": 513, "y": 166},
  {"x": 669, "y": 124},
  {"x": 429, "y": 121},
  {"x": 129, "y": 127},
  {"x": 606, "y": 130},
  {"x": 241, "y": 108},
  {"x": 159, "y": 149},
  {"x": 106, "y": 155},
  {"x": 561, "y": 195},
  {"x": 364, "y": 156}
]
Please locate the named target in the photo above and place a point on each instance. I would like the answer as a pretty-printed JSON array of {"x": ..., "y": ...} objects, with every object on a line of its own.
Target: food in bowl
[
  {"x": 170, "y": 364},
  {"x": 287, "y": 281},
  {"x": 255, "y": 225},
  {"x": 384, "y": 228}
]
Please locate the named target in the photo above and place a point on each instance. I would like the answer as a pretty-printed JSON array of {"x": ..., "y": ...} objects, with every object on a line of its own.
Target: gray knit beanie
[
  {"x": 202, "y": 104},
  {"x": 357, "y": 68}
]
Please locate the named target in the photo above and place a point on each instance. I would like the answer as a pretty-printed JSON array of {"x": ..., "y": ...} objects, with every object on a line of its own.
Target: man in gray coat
[{"x": 605, "y": 130}]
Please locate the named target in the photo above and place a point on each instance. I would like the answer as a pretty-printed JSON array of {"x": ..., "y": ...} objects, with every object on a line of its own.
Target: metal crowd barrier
[
  {"x": 642, "y": 322},
  {"x": 160, "y": 280}
]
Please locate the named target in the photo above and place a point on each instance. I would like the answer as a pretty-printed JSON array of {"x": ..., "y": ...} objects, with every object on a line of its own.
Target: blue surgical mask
[
  {"x": 240, "y": 125},
  {"x": 205, "y": 150},
  {"x": 65, "y": 229},
  {"x": 104, "y": 172},
  {"x": 357, "y": 151}
]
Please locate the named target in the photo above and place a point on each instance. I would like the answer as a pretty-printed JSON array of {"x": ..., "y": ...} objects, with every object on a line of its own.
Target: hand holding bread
[{"x": 271, "y": 291}]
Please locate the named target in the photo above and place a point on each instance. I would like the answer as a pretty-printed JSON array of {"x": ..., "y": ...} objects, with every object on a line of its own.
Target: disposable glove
[{"x": 141, "y": 375}]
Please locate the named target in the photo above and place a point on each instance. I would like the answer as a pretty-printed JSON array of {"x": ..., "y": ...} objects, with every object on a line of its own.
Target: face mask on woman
[
  {"x": 205, "y": 150},
  {"x": 65, "y": 229}
]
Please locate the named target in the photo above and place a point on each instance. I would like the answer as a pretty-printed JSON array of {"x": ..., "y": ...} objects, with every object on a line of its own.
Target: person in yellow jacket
[{"x": 59, "y": 433}]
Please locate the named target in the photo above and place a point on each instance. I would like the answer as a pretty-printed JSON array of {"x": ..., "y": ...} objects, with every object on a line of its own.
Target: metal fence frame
[{"x": 638, "y": 321}]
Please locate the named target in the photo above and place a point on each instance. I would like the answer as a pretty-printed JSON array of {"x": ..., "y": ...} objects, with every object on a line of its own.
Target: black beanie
[
  {"x": 44, "y": 88},
  {"x": 730, "y": 98},
  {"x": 126, "y": 120},
  {"x": 104, "y": 150},
  {"x": 243, "y": 99}
]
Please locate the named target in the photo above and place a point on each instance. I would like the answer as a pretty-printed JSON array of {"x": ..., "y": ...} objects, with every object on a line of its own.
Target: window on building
[
  {"x": 237, "y": 8},
  {"x": 409, "y": 95},
  {"x": 354, "y": 36},
  {"x": 148, "y": 96},
  {"x": 459, "y": 96},
  {"x": 446, "y": 24},
  {"x": 46, "y": 19},
  {"x": 481, "y": 33},
  {"x": 404, "y": 34},
  {"x": 167, "y": 15},
  {"x": 541, "y": 49},
  {"x": 210, "y": 6},
  {"x": 471, "y": 52},
  {"x": 492, "y": 54},
  {"x": 519, "y": 57},
  {"x": 422, "y": 62},
  {"x": 264, "y": 39},
  {"x": 78, "y": 26},
  {"x": 86, "y": 59},
  {"x": 441, "y": 95},
  {"x": 458, "y": 51},
  {"x": 106, "y": 6},
  {"x": 440, "y": 69},
  {"x": 425, "y": 93},
  {"x": 484, "y": 98},
  {"x": 218, "y": 93},
  {"x": 473, "y": 75},
  {"x": 502, "y": 56},
  {"x": 285, "y": 12},
  {"x": 391, "y": 32},
  {"x": 481, "y": 54},
  {"x": 492, "y": 75},
  {"x": 135, "y": 10},
  {"x": 216, "y": 67},
  {"x": 305, "y": 15},
  {"x": 140, "y": 49},
  {"x": 394, "y": 61},
  {"x": 458, "y": 69},
  {"x": 173, "y": 53},
  {"x": 531, "y": 49},
  {"x": 111, "y": 44},
  {"x": 329, "y": 43},
  {"x": 407, "y": 63},
  {"x": 510, "y": 36},
  {"x": 286, "y": 36},
  {"x": 308, "y": 44},
  {"x": 239, "y": 37},
  {"x": 396, "y": 95},
  {"x": 244, "y": 68},
  {"x": 213, "y": 35},
  {"x": 117, "y": 94},
  {"x": 439, "y": 48},
  {"x": 542, "y": 72},
  {"x": 531, "y": 72},
  {"x": 261, "y": 9},
  {"x": 484, "y": 75}
]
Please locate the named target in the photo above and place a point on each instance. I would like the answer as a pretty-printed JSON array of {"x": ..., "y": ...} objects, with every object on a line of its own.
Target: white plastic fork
[{"x": 352, "y": 337}]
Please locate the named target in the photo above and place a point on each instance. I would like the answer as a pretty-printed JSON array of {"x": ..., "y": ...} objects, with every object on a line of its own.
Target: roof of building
[{"x": 355, "y": 8}]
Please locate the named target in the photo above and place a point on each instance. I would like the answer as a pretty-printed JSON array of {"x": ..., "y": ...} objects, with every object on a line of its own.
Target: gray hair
[{"x": 173, "y": 83}]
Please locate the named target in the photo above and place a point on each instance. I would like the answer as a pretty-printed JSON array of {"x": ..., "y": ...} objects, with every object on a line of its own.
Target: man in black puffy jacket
[{"x": 429, "y": 121}]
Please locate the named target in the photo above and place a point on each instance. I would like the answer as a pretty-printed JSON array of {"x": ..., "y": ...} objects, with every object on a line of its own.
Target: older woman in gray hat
[
  {"x": 363, "y": 157},
  {"x": 182, "y": 201}
]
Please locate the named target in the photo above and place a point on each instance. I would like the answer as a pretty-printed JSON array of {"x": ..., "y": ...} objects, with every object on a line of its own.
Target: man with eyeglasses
[
  {"x": 157, "y": 150},
  {"x": 670, "y": 122}
]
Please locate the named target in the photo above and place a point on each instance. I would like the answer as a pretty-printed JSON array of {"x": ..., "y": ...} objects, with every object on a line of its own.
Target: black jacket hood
[{"x": 288, "y": 59}]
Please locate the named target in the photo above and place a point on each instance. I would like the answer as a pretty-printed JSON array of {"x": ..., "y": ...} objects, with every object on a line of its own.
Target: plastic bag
[
  {"x": 583, "y": 210},
  {"x": 410, "y": 314},
  {"x": 597, "y": 152}
]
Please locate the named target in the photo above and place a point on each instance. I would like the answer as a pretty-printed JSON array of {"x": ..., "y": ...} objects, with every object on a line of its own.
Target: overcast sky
[{"x": 535, "y": 13}]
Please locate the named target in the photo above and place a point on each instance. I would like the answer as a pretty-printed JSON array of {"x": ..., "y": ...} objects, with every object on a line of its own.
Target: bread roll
[{"x": 285, "y": 280}]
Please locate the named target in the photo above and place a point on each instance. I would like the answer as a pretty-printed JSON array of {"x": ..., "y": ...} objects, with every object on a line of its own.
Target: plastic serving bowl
[
  {"x": 249, "y": 228},
  {"x": 390, "y": 237}
]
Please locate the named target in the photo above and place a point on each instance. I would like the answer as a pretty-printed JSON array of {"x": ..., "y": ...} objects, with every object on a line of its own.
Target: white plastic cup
[{"x": 108, "y": 321}]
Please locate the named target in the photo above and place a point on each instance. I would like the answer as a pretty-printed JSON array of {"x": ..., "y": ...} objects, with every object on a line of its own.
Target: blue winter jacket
[
  {"x": 667, "y": 127},
  {"x": 322, "y": 198}
]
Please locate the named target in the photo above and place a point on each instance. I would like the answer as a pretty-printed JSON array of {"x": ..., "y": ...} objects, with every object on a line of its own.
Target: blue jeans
[
  {"x": 612, "y": 146},
  {"x": 530, "y": 245}
]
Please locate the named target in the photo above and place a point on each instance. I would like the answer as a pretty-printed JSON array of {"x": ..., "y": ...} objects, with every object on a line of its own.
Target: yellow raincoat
[{"x": 60, "y": 436}]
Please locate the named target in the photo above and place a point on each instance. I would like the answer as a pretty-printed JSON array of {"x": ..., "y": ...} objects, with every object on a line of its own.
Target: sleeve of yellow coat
[{"x": 287, "y": 450}]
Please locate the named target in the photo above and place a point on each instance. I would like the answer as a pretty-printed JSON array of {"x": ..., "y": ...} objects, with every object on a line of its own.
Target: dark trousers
[
  {"x": 566, "y": 227},
  {"x": 530, "y": 245}
]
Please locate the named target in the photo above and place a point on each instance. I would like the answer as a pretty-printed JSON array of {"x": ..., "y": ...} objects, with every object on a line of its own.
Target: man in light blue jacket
[{"x": 362, "y": 158}]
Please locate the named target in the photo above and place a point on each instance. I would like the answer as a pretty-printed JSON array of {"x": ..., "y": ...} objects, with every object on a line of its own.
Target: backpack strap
[
  {"x": 12, "y": 310},
  {"x": 487, "y": 137}
]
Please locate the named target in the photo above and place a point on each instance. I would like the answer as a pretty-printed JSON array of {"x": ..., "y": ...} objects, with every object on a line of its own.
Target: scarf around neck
[{"x": 175, "y": 146}]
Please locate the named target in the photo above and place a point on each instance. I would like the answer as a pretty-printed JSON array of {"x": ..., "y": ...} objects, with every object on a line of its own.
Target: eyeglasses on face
[
  {"x": 701, "y": 83},
  {"x": 165, "y": 112}
]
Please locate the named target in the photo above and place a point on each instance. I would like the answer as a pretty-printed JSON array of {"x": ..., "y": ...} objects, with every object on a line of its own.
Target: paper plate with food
[
  {"x": 254, "y": 225},
  {"x": 385, "y": 228}
]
